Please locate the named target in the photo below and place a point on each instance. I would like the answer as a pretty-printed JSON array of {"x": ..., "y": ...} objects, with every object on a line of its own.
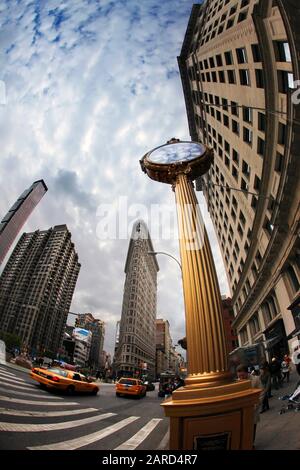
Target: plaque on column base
[{"x": 215, "y": 418}]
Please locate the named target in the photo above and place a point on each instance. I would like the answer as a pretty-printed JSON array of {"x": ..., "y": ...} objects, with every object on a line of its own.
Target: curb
[{"x": 15, "y": 366}]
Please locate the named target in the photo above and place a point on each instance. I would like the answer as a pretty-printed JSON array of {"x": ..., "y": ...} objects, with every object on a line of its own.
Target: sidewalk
[
  {"x": 15, "y": 366},
  {"x": 275, "y": 431}
]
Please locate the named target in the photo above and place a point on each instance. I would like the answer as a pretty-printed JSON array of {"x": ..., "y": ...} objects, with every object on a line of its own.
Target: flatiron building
[{"x": 136, "y": 346}]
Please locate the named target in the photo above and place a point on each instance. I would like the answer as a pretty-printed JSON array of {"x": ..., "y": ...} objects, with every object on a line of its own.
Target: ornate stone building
[{"x": 239, "y": 67}]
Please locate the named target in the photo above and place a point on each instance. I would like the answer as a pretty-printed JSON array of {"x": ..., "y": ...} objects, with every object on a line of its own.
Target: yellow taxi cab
[
  {"x": 129, "y": 386},
  {"x": 62, "y": 379}
]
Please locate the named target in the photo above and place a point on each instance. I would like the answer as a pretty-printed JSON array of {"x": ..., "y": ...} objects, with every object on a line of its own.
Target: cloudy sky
[{"x": 91, "y": 86}]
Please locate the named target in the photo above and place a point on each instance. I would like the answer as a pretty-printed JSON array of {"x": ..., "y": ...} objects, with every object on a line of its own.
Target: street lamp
[
  {"x": 210, "y": 411},
  {"x": 154, "y": 253}
]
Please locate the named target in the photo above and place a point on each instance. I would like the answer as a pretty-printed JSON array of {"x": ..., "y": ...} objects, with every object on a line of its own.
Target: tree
[{"x": 11, "y": 340}]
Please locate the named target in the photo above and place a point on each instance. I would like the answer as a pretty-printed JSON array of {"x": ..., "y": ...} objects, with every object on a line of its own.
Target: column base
[{"x": 212, "y": 418}]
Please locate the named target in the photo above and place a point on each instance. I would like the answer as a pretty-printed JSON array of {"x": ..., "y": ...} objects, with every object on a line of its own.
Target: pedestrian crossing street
[{"x": 46, "y": 421}]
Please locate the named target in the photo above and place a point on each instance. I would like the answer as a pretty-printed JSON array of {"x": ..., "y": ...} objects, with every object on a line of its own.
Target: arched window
[
  {"x": 270, "y": 309},
  {"x": 293, "y": 279},
  {"x": 267, "y": 312},
  {"x": 273, "y": 306},
  {"x": 244, "y": 336},
  {"x": 254, "y": 324}
]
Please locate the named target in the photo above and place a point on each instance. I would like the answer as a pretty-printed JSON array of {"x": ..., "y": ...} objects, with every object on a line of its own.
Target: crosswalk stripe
[
  {"x": 12, "y": 377},
  {"x": 4, "y": 372},
  {"x": 36, "y": 402},
  {"x": 86, "y": 440},
  {"x": 39, "y": 395},
  {"x": 9, "y": 383},
  {"x": 45, "y": 414},
  {"x": 140, "y": 436},
  {"x": 17, "y": 427}
]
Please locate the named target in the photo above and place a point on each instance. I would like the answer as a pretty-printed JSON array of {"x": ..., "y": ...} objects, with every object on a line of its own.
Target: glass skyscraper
[{"x": 17, "y": 215}]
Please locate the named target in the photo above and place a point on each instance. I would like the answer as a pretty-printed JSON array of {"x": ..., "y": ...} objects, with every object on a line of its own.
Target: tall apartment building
[
  {"x": 135, "y": 350},
  {"x": 97, "y": 328},
  {"x": 163, "y": 345},
  {"x": 36, "y": 288},
  {"x": 239, "y": 63},
  {"x": 17, "y": 215}
]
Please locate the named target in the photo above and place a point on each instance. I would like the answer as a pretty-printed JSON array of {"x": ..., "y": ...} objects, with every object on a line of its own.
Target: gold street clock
[{"x": 166, "y": 162}]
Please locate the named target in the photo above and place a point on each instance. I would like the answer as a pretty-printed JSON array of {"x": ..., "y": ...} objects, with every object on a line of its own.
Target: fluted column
[{"x": 206, "y": 346}]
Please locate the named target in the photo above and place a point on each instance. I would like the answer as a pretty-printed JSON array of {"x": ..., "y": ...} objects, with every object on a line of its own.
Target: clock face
[{"x": 176, "y": 153}]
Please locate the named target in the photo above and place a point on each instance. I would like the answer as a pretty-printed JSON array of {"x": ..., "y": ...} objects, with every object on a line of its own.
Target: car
[
  {"x": 23, "y": 361},
  {"x": 149, "y": 386},
  {"x": 129, "y": 386},
  {"x": 57, "y": 378}
]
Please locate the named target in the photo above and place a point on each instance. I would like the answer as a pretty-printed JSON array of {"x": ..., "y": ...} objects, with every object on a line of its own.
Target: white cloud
[{"x": 91, "y": 87}]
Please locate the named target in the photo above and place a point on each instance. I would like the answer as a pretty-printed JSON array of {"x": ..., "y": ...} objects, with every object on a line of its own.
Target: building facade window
[
  {"x": 241, "y": 54},
  {"x": 254, "y": 324},
  {"x": 293, "y": 279},
  {"x": 244, "y": 336},
  {"x": 245, "y": 77}
]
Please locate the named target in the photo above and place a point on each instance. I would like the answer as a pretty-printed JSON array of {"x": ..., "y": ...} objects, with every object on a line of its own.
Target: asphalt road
[{"x": 31, "y": 418}]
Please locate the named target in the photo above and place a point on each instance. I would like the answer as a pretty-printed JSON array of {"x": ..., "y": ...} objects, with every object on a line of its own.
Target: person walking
[
  {"x": 243, "y": 374},
  {"x": 266, "y": 366},
  {"x": 275, "y": 369},
  {"x": 285, "y": 369},
  {"x": 265, "y": 378}
]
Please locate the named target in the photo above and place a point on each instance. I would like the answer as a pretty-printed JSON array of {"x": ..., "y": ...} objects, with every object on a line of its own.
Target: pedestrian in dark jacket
[
  {"x": 265, "y": 379},
  {"x": 275, "y": 369}
]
